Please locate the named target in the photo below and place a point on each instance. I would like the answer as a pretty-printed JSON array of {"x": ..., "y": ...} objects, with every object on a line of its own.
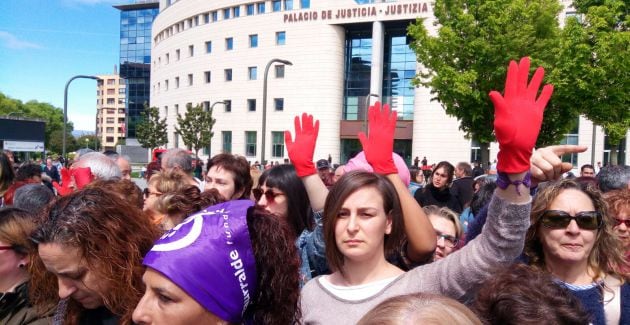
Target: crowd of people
[{"x": 368, "y": 242}]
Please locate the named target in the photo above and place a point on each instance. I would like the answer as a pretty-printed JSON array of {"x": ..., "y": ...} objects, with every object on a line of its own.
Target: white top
[{"x": 354, "y": 293}]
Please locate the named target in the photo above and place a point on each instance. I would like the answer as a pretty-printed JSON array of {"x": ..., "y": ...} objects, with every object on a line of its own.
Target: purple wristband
[{"x": 503, "y": 181}]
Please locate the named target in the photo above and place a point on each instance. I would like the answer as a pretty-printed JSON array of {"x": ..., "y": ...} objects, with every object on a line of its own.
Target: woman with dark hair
[
  {"x": 245, "y": 270},
  {"x": 26, "y": 174},
  {"x": 437, "y": 191},
  {"x": 619, "y": 209},
  {"x": 363, "y": 218},
  {"x": 93, "y": 243},
  {"x": 7, "y": 174},
  {"x": 230, "y": 175},
  {"x": 572, "y": 238},
  {"x": 15, "y": 249}
]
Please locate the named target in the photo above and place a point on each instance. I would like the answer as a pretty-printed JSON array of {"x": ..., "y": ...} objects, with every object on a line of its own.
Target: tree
[
  {"x": 470, "y": 53},
  {"x": 593, "y": 66},
  {"x": 90, "y": 140},
  {"x": 195, "y": 127},
  {"x": 151, "y": 131}
]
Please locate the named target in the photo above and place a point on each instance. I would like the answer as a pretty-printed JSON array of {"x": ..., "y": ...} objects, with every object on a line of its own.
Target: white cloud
[{"x": 10, "y": 41}]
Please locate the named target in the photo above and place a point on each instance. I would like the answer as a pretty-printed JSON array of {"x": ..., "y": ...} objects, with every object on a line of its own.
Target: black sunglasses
[
  {"x": 555, "y": 219},
  {"x": 270, "y": 195}
]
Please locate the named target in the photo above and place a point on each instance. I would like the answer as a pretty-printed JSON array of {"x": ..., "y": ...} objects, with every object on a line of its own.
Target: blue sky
[{"x": 43, "y": 43}]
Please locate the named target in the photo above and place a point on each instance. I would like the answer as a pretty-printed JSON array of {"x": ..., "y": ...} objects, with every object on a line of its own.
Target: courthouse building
[{"x": 342, "y": 54}]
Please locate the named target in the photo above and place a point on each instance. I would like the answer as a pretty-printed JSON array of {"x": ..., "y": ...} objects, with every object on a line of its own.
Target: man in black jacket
[{"x": 463, "y": 184}]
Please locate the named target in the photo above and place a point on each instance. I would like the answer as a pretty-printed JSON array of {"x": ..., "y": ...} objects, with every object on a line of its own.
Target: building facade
[
  {"x": 110, "y": 110},
  {"x": 136, "y": 19},
  {"x": 342, "y": 55}
]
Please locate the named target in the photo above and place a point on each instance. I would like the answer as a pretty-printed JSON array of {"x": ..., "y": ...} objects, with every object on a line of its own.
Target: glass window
[
  {"x": 191, "y": 50},
  {"x": 215, "y": 15},
  {"x": 206, "y": 18},
  {"x": 226, "y": 138},
  {"x": 279, "y": 71},
  {"x": 228, "y": 105},
  {"x": 226, "y": 13},
  {"x": 251, "y": 105},
  {"x": 253, "y": 40},
  {"x": 228, "y": 74},
  {"x": 288, "y": 4},
  {"x": 237, "y": 11},
  {"x": 250, "y": 143},
  {"x": 571, "y": 138},
  {"x": 207, "y": 76},
  {"x": 165, "y": 85},
  {"x": 252, "y": 73},
  {"x": 167, "y": 57},
  {"x": 111, "y": 81},
  {"x": 190, "y": 79},
  {"x": 229, "y": 43},
  {"x": 209, "y": 47},
  {"x": 305, "y": 4},
  {"x": 177, "y": 54},
  {"x": 175, "y": 140},
  {"x": 276, "y": 5},
  {"x": 176, "y": 82},
  {"x": 277, "y": 144},
  {"x": 261, "y": 7},
  {"x": 110, "y": 120},
  {"x": 278, "y": 104},
  {"x": 251, "y": 9},
  {"x": 280, "y": 38}
]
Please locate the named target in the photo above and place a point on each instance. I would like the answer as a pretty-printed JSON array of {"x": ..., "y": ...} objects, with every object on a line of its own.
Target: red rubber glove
[
  {"x": 66, "y": 178},
  {"x": 518, "y": 116},
  {"x": 82, "y": 176},
  {"x": 301, "y": 151},
  {"x": 379, "y": 144}
]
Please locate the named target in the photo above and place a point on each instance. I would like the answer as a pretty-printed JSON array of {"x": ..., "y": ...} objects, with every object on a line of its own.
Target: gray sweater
[{"x": 500, "y": 242}]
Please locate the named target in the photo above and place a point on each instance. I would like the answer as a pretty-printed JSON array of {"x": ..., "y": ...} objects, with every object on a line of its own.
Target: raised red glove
[
  {"x": 518, "y": 116},
  {"x": 66, "y": 178},
  {"x": 379, "y": 144},
  {"x": 301, "y": 151},
  {"x": 82, "y": 176}
]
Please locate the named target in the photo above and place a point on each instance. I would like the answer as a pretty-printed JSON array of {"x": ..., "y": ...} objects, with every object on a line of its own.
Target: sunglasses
[
  {"x": 618, "y": 222},
  {"x": 270, "y": 195},
  {"x": 449, "y": 240},
  {"x": 555, "y": 219}
]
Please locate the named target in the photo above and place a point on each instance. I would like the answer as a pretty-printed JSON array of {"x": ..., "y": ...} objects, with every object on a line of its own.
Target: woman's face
[
  {"x": 75, "y": 279},
  {"x": 11, "y": 273},
  {"x": 166, "y": 303},
  {"x": 446, "y": 236},
  {"x": 273, "y": 200},
  {"x": 223, "y": 181},
  {"x": 361, "y": 226},
  {"x": 150, "y": 197},
  {"x": 440, "y": 178},
  {"x": 570, "y": 245},
  {"x": 621, "y": 225}
]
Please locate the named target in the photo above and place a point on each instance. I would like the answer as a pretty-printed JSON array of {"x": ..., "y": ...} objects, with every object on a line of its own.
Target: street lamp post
[
  {"x": 365, "y": 113},
  {"x": 65, "y": 111},
  {"x": 210, "y": 145},
  {"x": 264, "y": 117}
]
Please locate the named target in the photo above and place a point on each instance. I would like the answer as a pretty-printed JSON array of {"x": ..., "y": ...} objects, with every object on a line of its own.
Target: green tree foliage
[
  {"x": 151, "y": 131},
  {"x": 52, "y": 116},
  {"x": 195, "y": 127},
  {"x": 593, "y": 69},
  {"x": 89, "y": 140},
  {"x": 470, "y": 53}
]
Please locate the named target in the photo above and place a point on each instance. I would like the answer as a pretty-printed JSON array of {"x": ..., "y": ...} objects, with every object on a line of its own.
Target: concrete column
[{"x": 378, "y": 44}]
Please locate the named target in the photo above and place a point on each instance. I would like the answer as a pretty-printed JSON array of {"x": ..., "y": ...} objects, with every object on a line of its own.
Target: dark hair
[
  {"x": 15, "y": 227},
  {"x": 521, "y": 294},
  {"x": 613, "y": 177},
  {"x": 111, "y": 235},
  {"x": 32, "y": 197},
  {"x": 448, "y": 168},
  {"x": 587, "y": 166},
  {"x": 482, "y": 196},
  {"x": 277, "y": 267},
  {"x": 6, "y": 173},
  {"x": 284, "y": 178},
  {"x": 27, "y": 171},
  {"x": 123, "y": 188},
  {"x": 239, "y": 167},
  {"x": 464, "y": 166},
  {"x": 413, "y": 173},
  {"x": 587, "y": 181},
  {"x": 346, "y": 186}
]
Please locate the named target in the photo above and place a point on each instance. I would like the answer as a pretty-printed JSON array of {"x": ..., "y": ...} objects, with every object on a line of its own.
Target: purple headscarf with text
[{"x": 209, "y": 256}]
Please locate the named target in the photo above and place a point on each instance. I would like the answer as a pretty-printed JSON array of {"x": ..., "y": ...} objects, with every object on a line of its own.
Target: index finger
[{"x": 564, "y": 149}]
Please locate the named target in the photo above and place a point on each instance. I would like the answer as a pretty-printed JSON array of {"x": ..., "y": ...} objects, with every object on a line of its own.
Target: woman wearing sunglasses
[
  {"x": 619, "y": 209},
  {"x": 571, "y": 237}
]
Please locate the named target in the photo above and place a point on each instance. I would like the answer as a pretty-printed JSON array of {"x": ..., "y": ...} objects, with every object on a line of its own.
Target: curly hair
[
  {"x": 239, "y": 168},
  {"x": 125, "y": 189},
  {"x": 346, "y": 186},
  {"x": 607, "y": 254},
  {"x": 277, "y": 266},
  {"x": 111, "y": 235},
  {"x": 179, "y": 204},
  {"x": 522, "y": 294},
  {"x": 618, "y": 201}
]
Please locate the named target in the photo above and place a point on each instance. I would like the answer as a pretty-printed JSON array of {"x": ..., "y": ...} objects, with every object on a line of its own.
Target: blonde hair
[
  {"x": 447, "y": 214},
  {"x": 420, "y": 308}
]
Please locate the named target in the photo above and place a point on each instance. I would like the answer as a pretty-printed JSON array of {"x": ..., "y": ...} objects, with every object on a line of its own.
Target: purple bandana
[{"x": 209, "y": 255}]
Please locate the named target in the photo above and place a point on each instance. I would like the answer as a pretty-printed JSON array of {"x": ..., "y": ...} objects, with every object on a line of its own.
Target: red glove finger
[
  {"x": 302, "y": 149},
  {"x": 82, "y": 176},
  {"x": 378, "y": 145},
  {"x": 66, "y": 179}
]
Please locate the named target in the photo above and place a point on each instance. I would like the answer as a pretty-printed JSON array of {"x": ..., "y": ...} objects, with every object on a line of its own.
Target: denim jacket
[{"x": 312, "y": 250}]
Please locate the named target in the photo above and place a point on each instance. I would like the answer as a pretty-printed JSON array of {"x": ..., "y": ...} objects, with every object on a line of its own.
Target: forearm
[
  {"x": 420, "y": 233},
  {"x": 316, "y": 190}
]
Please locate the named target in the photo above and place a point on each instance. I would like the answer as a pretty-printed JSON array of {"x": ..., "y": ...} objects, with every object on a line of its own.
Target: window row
[
  {"x": 252, "y": 74},
  {"x": 251, "y": 143},
  {"x": 278, "y": 105},
  {"x": 227, "y": 13}
]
